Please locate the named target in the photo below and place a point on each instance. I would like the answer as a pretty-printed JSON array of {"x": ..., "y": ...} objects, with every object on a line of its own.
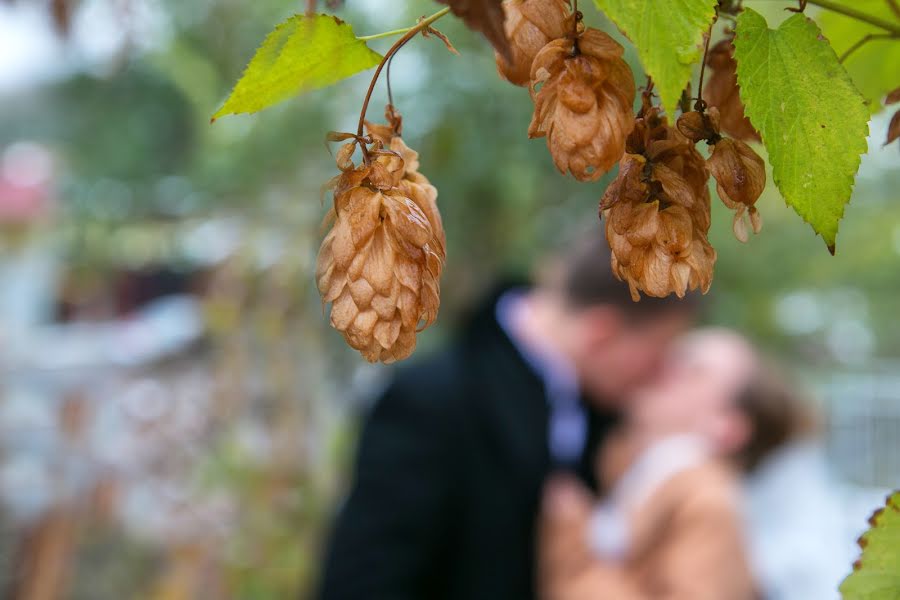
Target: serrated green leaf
[
  {"x": 303, "y": 53},
  {"x": 812, "y": 119},
  {"x": 668, "y": 37},
  {"x": 875, "y": 66},
  {"x": 876, "y": 575}
]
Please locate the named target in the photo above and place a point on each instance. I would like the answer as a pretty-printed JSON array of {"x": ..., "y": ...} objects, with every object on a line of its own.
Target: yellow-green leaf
[
  {"x": 876, "y": 575},
  {"x": 301, "y": 54},
  {"x": 812, "y": 119},
  {"x": 668, "y": 36}
]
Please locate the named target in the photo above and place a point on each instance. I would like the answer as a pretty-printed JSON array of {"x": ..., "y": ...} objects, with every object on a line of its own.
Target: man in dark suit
[{"x": 454, "y": 455}]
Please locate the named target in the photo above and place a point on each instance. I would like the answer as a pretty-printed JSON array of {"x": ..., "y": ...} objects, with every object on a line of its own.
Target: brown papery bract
[
  {"x": 415, "y": 185},
  {"x": 721, "y": 90},
  {"x": 740, "y": 175},
  {"x": 583, "y": 94},
  {"x": 485, "y": 16},
  {"x": 531, "y": 25},
  {"x": 893, "y": 96},
  {"x": 697, "y": 126},
  {"x": 381, "y": 262},
  {"x": 893, "y": 129},
  {"x": 650, "y": 125}
]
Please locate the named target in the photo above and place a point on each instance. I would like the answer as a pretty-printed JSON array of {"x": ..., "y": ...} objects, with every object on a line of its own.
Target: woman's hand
[{"x": 563, "y": 546}]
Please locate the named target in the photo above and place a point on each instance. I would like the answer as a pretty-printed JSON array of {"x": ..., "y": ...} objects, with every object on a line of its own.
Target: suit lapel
[{"x": 512, "y": 399}]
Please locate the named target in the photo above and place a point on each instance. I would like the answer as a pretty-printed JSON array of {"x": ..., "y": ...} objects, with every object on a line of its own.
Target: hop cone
[
  {"x": 531, "y": 25},
  {"x": 740, "y": 175},
  {"x": 381, "y": 262},
  {"x": 583, "y": 94},
  {"x": 658, "y": 213}
]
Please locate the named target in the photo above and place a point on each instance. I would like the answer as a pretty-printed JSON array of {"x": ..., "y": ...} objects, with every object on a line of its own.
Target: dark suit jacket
[{"x": 448, "y": 479}]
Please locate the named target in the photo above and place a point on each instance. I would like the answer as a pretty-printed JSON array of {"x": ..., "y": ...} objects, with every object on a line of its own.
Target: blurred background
[{"x": 176, "y": 417}]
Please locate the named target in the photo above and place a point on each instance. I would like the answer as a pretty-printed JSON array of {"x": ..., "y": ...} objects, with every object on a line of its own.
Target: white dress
[{"x": 800, "y": 537}]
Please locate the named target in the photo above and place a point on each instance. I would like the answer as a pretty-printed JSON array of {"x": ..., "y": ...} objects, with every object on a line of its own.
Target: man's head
[{"x": 614, "y": 343}]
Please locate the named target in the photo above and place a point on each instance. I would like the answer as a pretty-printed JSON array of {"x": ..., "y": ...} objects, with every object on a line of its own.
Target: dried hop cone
[
  {"x": 658, "y": 214},
  {"x": 381, "y": 262},
  {"x": 531, "y": 25},
  {"x": 583, "y": 94},
  {"x": 721, "y": 91},
  {"x": 740, "y": 175}
]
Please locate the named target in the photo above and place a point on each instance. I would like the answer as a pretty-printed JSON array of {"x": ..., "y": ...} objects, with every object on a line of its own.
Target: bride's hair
[{"x": 778, "y": 413}]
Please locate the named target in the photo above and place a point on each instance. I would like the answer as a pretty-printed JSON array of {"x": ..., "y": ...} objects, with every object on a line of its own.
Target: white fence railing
[{"x": 863, "y": 427}]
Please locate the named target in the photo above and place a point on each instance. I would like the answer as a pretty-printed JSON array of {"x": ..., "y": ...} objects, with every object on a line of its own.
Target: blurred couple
[{"x": 571, "y": 444}]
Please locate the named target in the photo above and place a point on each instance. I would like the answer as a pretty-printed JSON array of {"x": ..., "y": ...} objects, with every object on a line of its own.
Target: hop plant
[
  {"x": 583, "y": 95},
  {"x": 530, "y": 25},
  {"x": 722, "y": 92},
  {"x": 657, "y": 213},
  {"x": 380, "y": 264}
]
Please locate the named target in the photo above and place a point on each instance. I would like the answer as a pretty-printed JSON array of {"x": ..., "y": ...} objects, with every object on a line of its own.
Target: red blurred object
[
  {"x": 26, "y": 171},
  {"x": 22, "y": 204}
]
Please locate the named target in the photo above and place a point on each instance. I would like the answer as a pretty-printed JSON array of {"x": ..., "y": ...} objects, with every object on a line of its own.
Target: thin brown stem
[
  {"x": 859, "y": 15},
  {"x": 894, "y": 6},
  {"x": 646, "y": 97},
  {"x": 387, "y": 78},
  {"x": 421, "y": 25},
  {"x": 577, "y": 16},
  {"x": 684, "y": 103},
  {"x": 311, "y": 7},
  {"x": 865, "y": 40},
  {"x": 700, "y": 105}
]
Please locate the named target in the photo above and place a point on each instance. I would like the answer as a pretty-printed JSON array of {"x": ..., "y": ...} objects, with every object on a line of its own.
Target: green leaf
[
  {"x": 303, "y": 53},
  {"x": 668, "y": 37},
  {"x": 873, "y": 66},
  {"x": 812, "y": 119},
  {"x": 876, "y": 575}
]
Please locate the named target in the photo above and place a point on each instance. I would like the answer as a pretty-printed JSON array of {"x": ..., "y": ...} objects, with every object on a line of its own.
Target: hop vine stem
[
  {"x": 865, "y": 40},
  {"x": 576, "y": 18},
  {"x": 411, "y": 32},
  {"x": 700, "y": 105},
  {"x": 859, "y": 15},
  {"x": 384, "y": 34},
  {"x": 894, "y": 6}
]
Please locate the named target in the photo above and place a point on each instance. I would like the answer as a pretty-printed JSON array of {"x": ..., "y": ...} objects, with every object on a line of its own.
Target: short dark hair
[
  {"x": 582, "y": 273},
  {"x": 778, "y": 412}
]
